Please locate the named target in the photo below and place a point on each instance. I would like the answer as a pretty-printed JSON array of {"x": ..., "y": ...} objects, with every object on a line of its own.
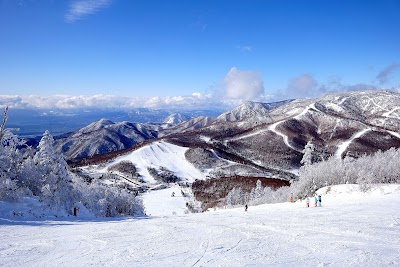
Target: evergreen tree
[
  {"x": 10, "y": 164},
  {"x": 56, "y": 180},
  {"x": 257, "y": 194},
  {"x": 308, "y": 154}
]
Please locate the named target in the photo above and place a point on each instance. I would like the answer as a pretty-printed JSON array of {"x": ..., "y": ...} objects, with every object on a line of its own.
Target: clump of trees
[
  {"x": 381, "y": 167},
  {"x": 163, "y": 175},
  {"x": 258, "y": 195},
  {"x": 125, "y": 167},
  {"x": 45, "y": 174},
  {"x": 200, "y": 157}
]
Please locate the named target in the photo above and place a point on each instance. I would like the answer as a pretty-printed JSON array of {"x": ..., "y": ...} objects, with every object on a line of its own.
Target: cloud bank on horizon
[{"x": 236, "y": 87}]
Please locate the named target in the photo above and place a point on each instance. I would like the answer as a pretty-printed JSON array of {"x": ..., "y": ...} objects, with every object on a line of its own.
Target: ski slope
[
  {"x": 350, "y": 229},
  {"x": 161, "y": 154},
  {"x": 272, "y": 128},
  {"x": 344, "y": 145}
]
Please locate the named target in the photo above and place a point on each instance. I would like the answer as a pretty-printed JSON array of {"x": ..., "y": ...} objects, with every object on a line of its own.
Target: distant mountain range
[
  {"x": 102, "y": 137},
  {"x": 32, "y": 123},
  {"x": 258, "y": 139}
]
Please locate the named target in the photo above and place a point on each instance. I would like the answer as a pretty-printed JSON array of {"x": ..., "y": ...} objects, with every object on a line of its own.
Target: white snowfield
[
  {"x": 350, "y": 229},
  {"x": 161, "y": 154}
]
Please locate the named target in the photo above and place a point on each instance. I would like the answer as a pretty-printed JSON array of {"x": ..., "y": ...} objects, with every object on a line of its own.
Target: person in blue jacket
[{"x": 319, "y": 200}]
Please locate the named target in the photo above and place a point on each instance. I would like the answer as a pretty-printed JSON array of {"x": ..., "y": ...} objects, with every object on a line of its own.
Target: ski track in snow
[
  {"x": 311, "y": 106},
  {"x": 272, "y": 128},
  {"x": 388, "y": 113},
  {"x": 350, "y": 229},
  {"x": 394, "y": 134},
  {"x": 344, "y": 145}
]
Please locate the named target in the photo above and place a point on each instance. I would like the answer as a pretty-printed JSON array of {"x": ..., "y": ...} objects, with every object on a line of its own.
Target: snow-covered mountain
[
  {"x": 254, "y": 111},
  {"x": 256, "y": 141},
  {"x": 342, "y": 124},
  {"x": 190, "y": 125},
  {"x": 104, "y": 136},
  {"x": 267, "y": 140},
  {"x": 175, "y": 118}
]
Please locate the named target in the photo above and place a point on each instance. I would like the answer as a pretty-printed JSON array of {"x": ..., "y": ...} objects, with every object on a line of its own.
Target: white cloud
[
  {"x": 245, "y": 48},
  {"x": 244, "y": 85},
  {"x": 306, "y": 86},
  {"x": 109, "y": 101},
  {"x": 81, "y": 8},
  {"x": 302, "y": 86}
]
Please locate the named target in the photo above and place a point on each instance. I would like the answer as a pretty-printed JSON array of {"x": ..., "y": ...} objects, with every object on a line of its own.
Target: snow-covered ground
[
  {"x": 162, "y": 203},
  {"x": 161, "y": 154},
  {"x": 344, "y": 145},
  {"x": 350, "y": 229}
]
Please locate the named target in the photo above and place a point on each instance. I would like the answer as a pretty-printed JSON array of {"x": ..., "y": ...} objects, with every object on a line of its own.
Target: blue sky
[{"x": 231, "y": 50}]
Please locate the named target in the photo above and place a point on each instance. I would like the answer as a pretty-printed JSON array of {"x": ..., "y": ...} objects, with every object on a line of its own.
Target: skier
[
  {"x": 319, "y": 200},
  {"x": 308, "y": 202},
  {"x": 245, "y": 207},
  {"x": 173, "y": 194},
  {"x": 315, "y": 201},
  {"x": 291, "y": 198}
]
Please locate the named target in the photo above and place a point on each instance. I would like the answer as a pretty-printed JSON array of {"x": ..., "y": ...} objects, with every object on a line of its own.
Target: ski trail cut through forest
[
  {"x": 344, "y": 145},
  {"x": 285, "y": 137}
]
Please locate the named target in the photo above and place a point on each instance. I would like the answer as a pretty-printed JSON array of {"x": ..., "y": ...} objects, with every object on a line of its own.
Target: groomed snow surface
[{"x": 350, "y": 229}]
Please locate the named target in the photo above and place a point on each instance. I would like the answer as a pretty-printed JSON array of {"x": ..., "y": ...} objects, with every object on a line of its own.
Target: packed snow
[
  {"x": 351, "y": 228},
  {"x": 166, "y": 202}
]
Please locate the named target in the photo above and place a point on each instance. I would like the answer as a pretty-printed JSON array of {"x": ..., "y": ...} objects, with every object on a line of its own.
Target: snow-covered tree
[
  {"x": 55, "y": 178},
  {"x": 108, "y": 201},
  {"x": 10, "y": 165},
  {"x": 257, "y": 194},
  {"x": 237, "y": 196},
  {"x": 308, "y": 154}
]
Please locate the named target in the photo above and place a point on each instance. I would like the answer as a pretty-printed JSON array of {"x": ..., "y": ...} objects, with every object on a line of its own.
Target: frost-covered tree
[
  {"x": 107, "y": 201},
  {"x": 11, "y": 160},
  {"x": 381, "y": 167},
  {"x": 236, "y": 197},
  {"x": 308, "y": 154},
  {"x": 56, "y": 181},
  {"x": 257, "y": 194}
]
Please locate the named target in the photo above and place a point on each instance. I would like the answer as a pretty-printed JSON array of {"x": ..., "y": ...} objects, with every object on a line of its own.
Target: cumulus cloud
[
  {"x": 243, "y": 84},
  {"x": 384, "y": 75},
  {"x": 303, "y": 85},
  {"x": 306, "y": 86},
  {"x": 81, "y": 8}
]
